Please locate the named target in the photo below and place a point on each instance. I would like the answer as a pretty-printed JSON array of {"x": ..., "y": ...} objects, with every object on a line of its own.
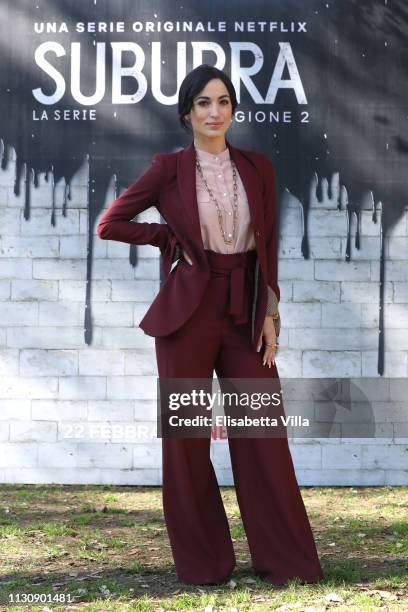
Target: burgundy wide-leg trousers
[{"x": 279, "y": 535}]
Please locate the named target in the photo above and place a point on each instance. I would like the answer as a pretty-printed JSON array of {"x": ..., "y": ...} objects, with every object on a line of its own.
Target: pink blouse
[{"x": 217, "y": 170}]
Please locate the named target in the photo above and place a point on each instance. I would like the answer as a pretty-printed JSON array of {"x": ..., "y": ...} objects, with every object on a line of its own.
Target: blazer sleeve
[
  {"x": 116, "y": 222},
  {"x": 271, "y": 240}
]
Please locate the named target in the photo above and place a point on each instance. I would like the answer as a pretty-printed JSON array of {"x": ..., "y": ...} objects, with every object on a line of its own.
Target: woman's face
[{"x": 211, "y": 113}]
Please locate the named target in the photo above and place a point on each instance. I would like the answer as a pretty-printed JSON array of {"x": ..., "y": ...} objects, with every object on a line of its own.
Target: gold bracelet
[{"x": 274, "y": 316}]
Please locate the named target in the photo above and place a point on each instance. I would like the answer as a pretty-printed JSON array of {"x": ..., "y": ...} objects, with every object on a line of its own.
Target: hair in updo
[{"x": 194, "y": 82}]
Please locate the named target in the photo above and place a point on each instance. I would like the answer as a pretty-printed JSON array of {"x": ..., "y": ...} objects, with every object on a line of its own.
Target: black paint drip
[{"x": 351, "y": 61}]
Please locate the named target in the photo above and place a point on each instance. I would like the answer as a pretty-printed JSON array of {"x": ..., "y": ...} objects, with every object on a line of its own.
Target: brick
[
  {"x": 132, "y": 387},
  {"x": 91, "y": 454},
  {"x": 72, "y": 269},
  {"x": 340, "y": 477},
  {"x": 39, "y": 223},
  {"x": 401, "y": 292},
  {"x": 15, "y": 313},
  {"x": 307, "y": 455},
  {"x": 395, "y": 362},
  {"x": 40, "y": 362},
  {"x": 15, "y": 268},
  {"x": 58, "y": 454},
  {"x": 147, "y": 456},
  {"x": 113, "y": 314},
  {"x": 60, "y": 314},
  {"x": 316, "y": 291},
  {"x": 30, "y": 290},
  {"x": 9, "y": 222},
  {"x": 399, "y": 390},
  {"x": 19, "y": 455},
  {"x": 301, "y": 315},
  {"x": 341, "y": 315},
  {"x": 8, "y": 362},
  {"x": 145, "y": 410},
  {"x": 126, "y": 337},
  {"x": 74, "y": 290},
  {"x": 29, "y": 246},
  {"x": 115, "y": 269},
  {"x": 59, "y": 410},
  {"x": 396, "y": 340},
  {"x": 395, "y": 315},
  {"x": 50, "y": 337},
  {"x": 15, "y": 409},
  {"x": 286, "y": 291},
  {"x": 325, "y": 247},
  {"x": 364, "y": 292},
  {"x": 82, "y": 387},
  {"x": 395, "y": 270},
  {"x": 368, "y": 227},
  {"x": 75, "y": 247},
  {"x": 290, "y": 223},
  {"x": 320, "y": 363},
  {"x": 396, "y": 478},
  {"x": 324, "y": 223},
  {"x": 333, "y": 339},
  {"x": 349, "y": 456},
  {"x": 342, "y": 270},
  {"x": 139, "y": 311},
  {"x": 288, "y": 362},
  {"x": 5, "y": 289},
  {"x": 14, "y": 387},
  {"x": 140, "y": 363},
  {"x": 143, "y": 477},
  {"x": 370, "y": 248},
  {"x": 296, "y": 270},
  {"x": 110, "y": 410},
  {"x": 387, "y": 456},
  {"x": 134, "y": 290},
  {"x": 33, "y": 431},
  {"x": 397, "y": 248},
  {"x": 100, "y": 362}
]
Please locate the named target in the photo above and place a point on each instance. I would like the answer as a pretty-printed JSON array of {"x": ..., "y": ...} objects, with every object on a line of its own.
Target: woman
[{"x": 217, "y": 309}]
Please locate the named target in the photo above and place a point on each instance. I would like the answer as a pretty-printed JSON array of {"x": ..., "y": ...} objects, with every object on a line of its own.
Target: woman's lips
[{"x": 214, "y": 125}]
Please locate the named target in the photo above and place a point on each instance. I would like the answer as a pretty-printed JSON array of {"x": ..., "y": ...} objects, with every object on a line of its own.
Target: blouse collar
[{"x": 219, "y": 157}]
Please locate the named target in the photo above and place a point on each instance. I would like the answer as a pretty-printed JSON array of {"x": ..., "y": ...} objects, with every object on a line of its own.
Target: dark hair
[{"x": 194, "y": 82}]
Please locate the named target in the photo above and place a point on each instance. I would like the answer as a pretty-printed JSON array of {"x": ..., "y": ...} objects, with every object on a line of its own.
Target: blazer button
[{"x": 257, "y": 233}]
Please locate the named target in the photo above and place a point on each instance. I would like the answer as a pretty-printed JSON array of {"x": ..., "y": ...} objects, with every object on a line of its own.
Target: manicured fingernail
[{"x": 269, "y": 365}]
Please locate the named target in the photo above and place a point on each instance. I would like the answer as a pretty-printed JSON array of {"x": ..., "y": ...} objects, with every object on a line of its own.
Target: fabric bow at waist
[{"x": 239, "y": 267}]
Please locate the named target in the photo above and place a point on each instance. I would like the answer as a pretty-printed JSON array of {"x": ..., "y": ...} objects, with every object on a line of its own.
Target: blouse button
[
  {"x": 220, "y": 175},
  {"x": 224, "y": 194}
]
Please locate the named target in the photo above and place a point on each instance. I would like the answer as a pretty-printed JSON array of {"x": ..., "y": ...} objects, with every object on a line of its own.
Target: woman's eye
[{"x": 205, "y": 102}]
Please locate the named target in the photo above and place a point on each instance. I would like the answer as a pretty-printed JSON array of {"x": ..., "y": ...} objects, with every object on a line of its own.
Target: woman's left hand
[{"x": 269, "y": 336}]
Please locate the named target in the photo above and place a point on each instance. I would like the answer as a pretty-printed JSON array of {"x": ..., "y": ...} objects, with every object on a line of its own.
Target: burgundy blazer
[{"x": 170, "y": 185}]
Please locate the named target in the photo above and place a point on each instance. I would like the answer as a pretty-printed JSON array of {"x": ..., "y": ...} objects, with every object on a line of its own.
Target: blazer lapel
[
  {"x": 186, "y": 179},
  {"x": 250, "y": 179}
]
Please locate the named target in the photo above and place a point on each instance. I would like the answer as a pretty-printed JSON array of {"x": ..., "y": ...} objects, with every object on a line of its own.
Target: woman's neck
[{"x": 213, "y": 145}]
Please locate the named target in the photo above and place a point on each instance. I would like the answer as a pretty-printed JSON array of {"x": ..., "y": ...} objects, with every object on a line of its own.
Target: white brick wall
[{"x": 72, "y": 413}]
